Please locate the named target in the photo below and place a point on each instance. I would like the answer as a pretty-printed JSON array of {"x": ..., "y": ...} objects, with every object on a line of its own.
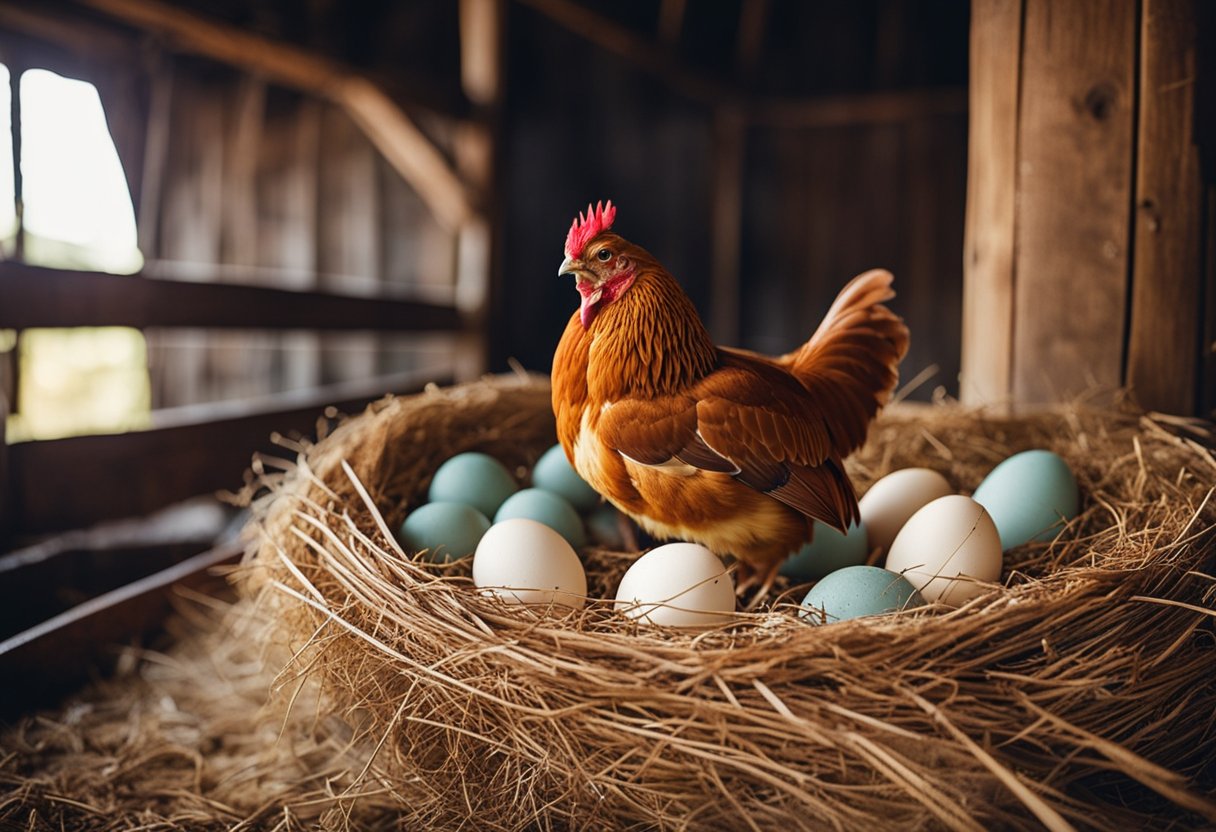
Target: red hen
[{"x": 734, "y": 450}]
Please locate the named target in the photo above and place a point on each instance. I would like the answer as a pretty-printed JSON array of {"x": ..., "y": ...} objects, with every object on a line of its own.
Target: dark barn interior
[{"x": 333, "y": 201}]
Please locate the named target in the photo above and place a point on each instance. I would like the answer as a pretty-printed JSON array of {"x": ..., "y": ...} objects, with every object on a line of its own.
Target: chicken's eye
[{"x": 604, "y": 255}]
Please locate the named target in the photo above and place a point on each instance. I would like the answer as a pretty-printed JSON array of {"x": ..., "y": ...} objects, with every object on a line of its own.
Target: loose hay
[{"x": 1081, "y": 693}]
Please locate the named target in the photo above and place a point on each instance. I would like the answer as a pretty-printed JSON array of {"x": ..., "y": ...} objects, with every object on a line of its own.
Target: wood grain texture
[
  {"x": 34, "y": 296},
  {"x": 194, "y": 450},
  {"x": 384, "y": 121},
  {"x": 1074, "y": 187},
  {"x": 58, "y": 654},
  {"x": 988, "y": 265},
  {"x": 1164, "y": 339}
]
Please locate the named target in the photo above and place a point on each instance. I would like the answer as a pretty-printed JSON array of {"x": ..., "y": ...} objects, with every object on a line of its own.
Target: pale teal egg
[
  {"x": 856, "y": 591},
  {"x": 828, "y": 551},
  {"x": 548, "y": 508},
  {"x": 1029, "y": 496},
  {"x": 476, "y": 479},
  {"x": 553, "y": 472},
  {"x": 604, "y": 526},
  {"x": 447, "y": 530}
]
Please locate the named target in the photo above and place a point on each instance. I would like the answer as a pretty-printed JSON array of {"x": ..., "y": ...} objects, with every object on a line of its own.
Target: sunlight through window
[
  {"x": 77, "y": 215},
  {"x": 78, "y": 210}
]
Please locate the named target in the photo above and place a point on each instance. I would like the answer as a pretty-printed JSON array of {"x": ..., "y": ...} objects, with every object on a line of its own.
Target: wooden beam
[
  {"x": 1074, "y": 196},
  {"x": 1163, "y": 354},
  {"x": 988, "y": 257},
  {"x": 61, "y": 652},
  {"x": 387, "y": 125},
  {"x": 753, "y": 21},
  {"x": 68, "y": 483},
  {"x": 33, "y": 296},
  {"x": 671, "y": 20},
  {"x": 80, "y": 37},
  {"x": 872, "y": 108}
]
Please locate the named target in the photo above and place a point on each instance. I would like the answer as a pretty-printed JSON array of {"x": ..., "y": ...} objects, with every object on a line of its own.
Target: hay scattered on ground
[{"x": 1078, "y": 694}]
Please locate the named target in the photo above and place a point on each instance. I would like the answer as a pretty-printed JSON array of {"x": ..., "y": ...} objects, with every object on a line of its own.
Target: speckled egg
[
  {"x": 1030, "y": 496},
  {"x": 476, "y": 479},
  {"x": 856, "y": 591},
  {"x": 526, "y": 562},
  {"x": 553, "y": 472},
  {"x": 828, "y": 551},
  {"x": 446, "y": 530},
  {"x": 548, "y": 508}
]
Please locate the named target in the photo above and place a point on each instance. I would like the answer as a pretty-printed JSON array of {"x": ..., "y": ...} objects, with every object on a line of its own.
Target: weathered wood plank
[
  {"x": 1164, "y": 340},
  {"x": 68, "y": 483},
  {"x": 1074, "y": 187},
  {"x": 988, "y": 254},
  {"x": 384, "y": 121},
  {"x": 33, "y": 296},
  {"x": 60, "y": 652}
]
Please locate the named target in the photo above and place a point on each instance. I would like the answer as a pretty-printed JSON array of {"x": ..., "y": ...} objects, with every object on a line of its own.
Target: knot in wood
[{"x": 1099, "y": 101}]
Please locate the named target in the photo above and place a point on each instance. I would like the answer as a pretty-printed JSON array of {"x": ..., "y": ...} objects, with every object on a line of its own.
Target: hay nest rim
[{"x": 1077, "y": 693}]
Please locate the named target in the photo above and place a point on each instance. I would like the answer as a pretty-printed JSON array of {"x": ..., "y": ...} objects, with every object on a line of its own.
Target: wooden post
[
  {"x": 478, "y": 268},
  {"x": 1083, "y": 250},
  {"x": 996, "y": 37},
  {"x": 1163, "y": 354},
  {"x": 1074, "y": 186}
]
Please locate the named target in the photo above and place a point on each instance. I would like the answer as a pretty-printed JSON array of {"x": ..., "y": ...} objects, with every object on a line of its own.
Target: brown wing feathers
[{"x": 850, "y": 365}]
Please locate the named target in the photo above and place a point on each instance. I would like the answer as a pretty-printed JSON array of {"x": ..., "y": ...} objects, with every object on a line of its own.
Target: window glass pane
[{"x": 78, "y": 210}]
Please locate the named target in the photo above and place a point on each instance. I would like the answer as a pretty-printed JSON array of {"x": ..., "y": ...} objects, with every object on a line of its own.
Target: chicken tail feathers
[{"x": 850, "y": 366}]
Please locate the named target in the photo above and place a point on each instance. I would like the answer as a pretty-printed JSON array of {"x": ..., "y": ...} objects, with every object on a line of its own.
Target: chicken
[{"x": 731, "y": 449}]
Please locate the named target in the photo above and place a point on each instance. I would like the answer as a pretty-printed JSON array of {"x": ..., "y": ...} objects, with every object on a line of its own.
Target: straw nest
[{"x": 1079, "y": 692}]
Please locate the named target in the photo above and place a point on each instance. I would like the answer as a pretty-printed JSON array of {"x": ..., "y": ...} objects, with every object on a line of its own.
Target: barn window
[{"x": 76, "y": 214}]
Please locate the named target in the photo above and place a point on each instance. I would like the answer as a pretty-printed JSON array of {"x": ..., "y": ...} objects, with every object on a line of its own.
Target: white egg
[
  {"x": 678, "y": 585},
  {"x": 896, "y": 497},
  {"x": 526, "y": 562},
  {"x": 953, "y": 536}
]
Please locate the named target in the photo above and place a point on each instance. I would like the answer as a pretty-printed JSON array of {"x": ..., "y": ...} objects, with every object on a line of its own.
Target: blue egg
[
  {"x": 604, "y": 526},
  {"x": 478, "y": 480},
  {"x": 828, "y": 551},
  {"x": 1029, "y": 496},
  {"x": 553, "y": 472},
  {"x": 548, "y": 508},
  {"x": 856, "y": 591},
  {"x": 447, "y": 530}
]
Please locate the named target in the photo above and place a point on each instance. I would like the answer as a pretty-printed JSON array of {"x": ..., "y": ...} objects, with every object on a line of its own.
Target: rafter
[{"x": 385, "y": 123}]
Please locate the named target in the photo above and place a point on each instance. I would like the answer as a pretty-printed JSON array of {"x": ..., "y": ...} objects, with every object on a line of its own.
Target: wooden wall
[
  {"x": 841, "y": 147},
  {"x": 260, "y": 184},
  {"x": 1086, "y": 243}
]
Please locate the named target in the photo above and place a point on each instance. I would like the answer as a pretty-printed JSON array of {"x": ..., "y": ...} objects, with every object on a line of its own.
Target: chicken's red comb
[{"x": 586, "y": 228}]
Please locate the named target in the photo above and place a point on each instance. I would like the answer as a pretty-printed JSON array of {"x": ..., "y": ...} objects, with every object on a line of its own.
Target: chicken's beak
[{"x": 570, "y": 267}]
